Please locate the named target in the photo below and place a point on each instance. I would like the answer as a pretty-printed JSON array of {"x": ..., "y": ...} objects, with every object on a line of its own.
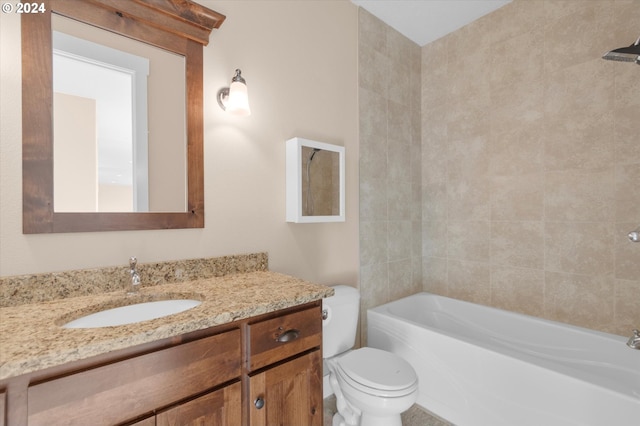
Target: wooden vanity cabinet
[
  {"x": 208, "y": 377},
  {"x": 285, "y": 369}
]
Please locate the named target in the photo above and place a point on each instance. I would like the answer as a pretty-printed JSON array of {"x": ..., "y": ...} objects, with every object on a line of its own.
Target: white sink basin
[{"x": 133, "y": 313}]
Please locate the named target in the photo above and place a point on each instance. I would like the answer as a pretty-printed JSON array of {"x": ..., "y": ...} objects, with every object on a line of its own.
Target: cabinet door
[
  {"x": 219, "y": 408},
  {"x": 288, "y": 394}
]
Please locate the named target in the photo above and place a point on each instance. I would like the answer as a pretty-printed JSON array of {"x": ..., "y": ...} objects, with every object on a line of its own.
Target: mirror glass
[
  {"x": 315, "y": 181},
  {"x": 119, "y": 123},
  {"x": 320, "y": 182}
]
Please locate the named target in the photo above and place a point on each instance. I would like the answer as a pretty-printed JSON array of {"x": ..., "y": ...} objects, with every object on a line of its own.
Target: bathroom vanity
[{"x": 250, "y": 354}]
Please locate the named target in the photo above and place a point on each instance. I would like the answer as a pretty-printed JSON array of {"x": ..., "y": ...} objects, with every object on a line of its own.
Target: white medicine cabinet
[{"x": 315, "y": 181}]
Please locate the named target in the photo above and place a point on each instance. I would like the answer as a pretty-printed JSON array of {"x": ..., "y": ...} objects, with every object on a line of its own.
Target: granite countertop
[{"x": 31, "y": 336}]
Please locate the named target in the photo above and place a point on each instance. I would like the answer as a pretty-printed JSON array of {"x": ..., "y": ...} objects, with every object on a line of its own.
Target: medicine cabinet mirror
[
  {"x": 144, "y": 171},
  {"x": 315, "y": 188}
]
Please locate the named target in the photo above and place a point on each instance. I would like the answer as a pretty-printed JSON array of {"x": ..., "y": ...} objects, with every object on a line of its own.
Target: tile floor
[{"x": 415, "y": 416}]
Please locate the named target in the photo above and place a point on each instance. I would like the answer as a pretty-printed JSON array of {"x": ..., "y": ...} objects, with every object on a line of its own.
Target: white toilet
[{"x": 372, "y": 386}]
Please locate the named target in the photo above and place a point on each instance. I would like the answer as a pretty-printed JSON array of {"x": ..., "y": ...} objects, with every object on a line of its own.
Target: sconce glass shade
[
  {"x": 238, "y": 100},
  {"x": 234, "y": 99}
]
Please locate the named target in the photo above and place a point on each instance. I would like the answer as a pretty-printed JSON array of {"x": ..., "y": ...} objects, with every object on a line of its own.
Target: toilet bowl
[
  {"x": 372, "y": 387},
  {"x": 377, "y": 384}
]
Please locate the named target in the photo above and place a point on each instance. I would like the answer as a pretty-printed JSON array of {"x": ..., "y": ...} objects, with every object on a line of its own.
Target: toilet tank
[{"x": 339, "y": 327}]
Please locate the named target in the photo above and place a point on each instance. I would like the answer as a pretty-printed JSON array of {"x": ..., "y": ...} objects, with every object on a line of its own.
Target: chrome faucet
[
  {"x": 634, "y": 341},
  {"x": 135, "y": 277}
]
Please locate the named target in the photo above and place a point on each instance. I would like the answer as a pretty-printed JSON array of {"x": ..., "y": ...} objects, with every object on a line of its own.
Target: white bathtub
[{"x": 483, "y": 366}]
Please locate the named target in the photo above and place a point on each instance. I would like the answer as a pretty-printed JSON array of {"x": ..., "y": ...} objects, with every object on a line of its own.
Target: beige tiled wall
[
  {"x": 527, "y": 178},
  {"x": 531, "y": 163},
  {"x": 390, "y": 164}
]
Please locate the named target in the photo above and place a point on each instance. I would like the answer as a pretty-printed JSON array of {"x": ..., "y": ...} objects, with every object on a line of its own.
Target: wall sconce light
[
  {"x": 234, "y": 99},
  {"x": 625, "y": 54}
]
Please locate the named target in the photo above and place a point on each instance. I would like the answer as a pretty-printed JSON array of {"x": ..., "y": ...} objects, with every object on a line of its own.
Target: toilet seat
[
  {"x": 377, "y": 372},
  {"x": 372, "y": 391}
]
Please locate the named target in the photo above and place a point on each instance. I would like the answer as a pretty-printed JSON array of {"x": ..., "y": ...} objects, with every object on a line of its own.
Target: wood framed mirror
[{"x": 179, "y": 27}]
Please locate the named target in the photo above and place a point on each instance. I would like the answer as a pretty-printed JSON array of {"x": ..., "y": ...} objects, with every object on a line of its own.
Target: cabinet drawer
[
  {"x": 126, "y": 389},
  {"x": 278, "y": 338}
]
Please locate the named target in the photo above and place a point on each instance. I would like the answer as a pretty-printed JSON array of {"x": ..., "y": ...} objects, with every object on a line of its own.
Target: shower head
[
  {"x": 314, "y": 153},
  {"x": 625, "y": 54}
]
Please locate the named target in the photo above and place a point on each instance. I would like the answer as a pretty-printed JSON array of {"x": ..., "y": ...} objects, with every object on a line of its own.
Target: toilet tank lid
[{"x": 343, "y": 294}]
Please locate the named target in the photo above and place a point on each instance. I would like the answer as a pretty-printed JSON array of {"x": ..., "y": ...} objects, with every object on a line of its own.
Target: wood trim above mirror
[{"x": 179, "y": 26}]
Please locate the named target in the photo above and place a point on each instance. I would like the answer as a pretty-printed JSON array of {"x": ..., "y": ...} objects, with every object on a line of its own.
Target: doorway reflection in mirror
[
  {"x": 133, "y": 157},
  {"x": 96, "y": 128}
]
